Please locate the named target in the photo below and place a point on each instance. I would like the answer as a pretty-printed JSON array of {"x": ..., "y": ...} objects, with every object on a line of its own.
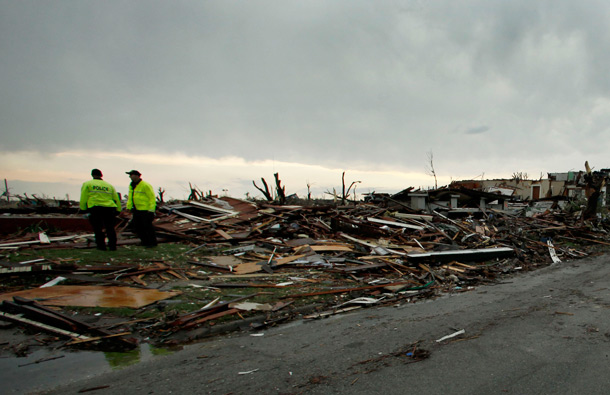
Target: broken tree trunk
[
  {"x": 281, "y": 190},
  {"x": 266, "y": 192},
  {"x": 345, "y": 194},
  {"x": 595, "y": 181}
]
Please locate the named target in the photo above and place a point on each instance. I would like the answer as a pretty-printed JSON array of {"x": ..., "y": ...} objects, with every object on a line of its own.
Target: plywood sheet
[{"x": 92, "y": 296}]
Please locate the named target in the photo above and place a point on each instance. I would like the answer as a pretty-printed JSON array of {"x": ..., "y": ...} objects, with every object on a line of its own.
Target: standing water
[{"x": 46, "y": 369}]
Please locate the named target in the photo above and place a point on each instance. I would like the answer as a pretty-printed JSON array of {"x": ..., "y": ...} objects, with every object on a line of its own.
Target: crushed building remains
[{"x": 257, "y": 264}]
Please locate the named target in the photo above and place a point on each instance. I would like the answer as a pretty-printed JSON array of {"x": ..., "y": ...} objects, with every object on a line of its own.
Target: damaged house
[{"x": 472, "y": 196}]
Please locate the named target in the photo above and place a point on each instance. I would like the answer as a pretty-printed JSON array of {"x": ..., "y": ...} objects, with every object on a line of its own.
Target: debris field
[{"x": 245, "y": 265}]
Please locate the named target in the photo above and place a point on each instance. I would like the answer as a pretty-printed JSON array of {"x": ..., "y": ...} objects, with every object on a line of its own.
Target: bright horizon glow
[{"x": 63, "y": 173}]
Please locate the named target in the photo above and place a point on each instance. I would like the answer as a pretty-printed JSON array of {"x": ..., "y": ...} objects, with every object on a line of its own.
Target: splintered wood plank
[
  {"x": 283, "y": 261},
  {"x": 248, "y": 267},
  {"x": 455, "y": 269},
  {"x": 177, "y": 275},
  {"x": 138, "y": 279},
  {"x": 224, "y": 234},
  {"x": 463, "y": 265},
  {"x": 344, "y": 290},
  {"x": 377, "y": 257},
  {"x": 211, "y": 317},
  {"x": 393, "y": 223},
  {"x": 330, "y": 248}
]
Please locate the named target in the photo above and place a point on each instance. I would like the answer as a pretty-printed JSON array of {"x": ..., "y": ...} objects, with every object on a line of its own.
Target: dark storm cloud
[{"x": 337, "y": 82}]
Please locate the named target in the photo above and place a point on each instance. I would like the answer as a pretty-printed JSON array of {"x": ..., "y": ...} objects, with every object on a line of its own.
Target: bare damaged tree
[
  {"x": 195, "y": 193},
  {"x": 265, "y": 192},
  {"x": 333, "y": 194},
  {"x": 595, "y": 181},
  {"x": 520, "y": 176},
  {"x": 430, "y": 168},
  {"x": 345, "y": 194},
  {"x": 343, "y": 191},
  {"x": 40, "y": 201},
  {"x": 354, "y": 184},
  {"x": 280, "y": 190},
  {"x": 7, "y": 191},
  {"x": 160, "y": 197}
]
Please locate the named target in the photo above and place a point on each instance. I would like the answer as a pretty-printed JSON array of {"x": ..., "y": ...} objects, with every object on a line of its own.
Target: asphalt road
[{"x": 543, "y": 332}]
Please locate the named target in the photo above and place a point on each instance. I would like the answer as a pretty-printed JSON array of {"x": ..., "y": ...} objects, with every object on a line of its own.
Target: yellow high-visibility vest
[
  {"x": 143, "y": 197},
  {"x": 100, "y": 193}
]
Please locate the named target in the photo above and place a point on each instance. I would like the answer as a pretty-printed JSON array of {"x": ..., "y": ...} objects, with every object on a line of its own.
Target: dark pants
[
  {"x": 103, "y": 218},
  {"x": 142, "y": 223}
]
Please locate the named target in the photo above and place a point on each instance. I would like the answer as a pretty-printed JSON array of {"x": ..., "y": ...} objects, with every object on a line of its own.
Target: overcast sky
[{"x": 220, "y": 93}]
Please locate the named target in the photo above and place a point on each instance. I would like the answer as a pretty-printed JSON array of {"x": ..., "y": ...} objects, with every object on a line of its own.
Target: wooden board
[{"x": 92, "y": 296}]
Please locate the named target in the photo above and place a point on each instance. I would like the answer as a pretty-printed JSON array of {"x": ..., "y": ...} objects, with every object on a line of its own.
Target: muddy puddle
[{"x": 46, "y": 369}]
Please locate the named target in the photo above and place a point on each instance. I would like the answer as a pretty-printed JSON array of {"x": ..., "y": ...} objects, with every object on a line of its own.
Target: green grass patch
[{"x": 171, "y": 253}]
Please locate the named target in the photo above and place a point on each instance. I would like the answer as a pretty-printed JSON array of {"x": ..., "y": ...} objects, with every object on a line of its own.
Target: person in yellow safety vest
[
  {"x": 142, "y": 203},
  {"x": 101, "y": 202}
]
